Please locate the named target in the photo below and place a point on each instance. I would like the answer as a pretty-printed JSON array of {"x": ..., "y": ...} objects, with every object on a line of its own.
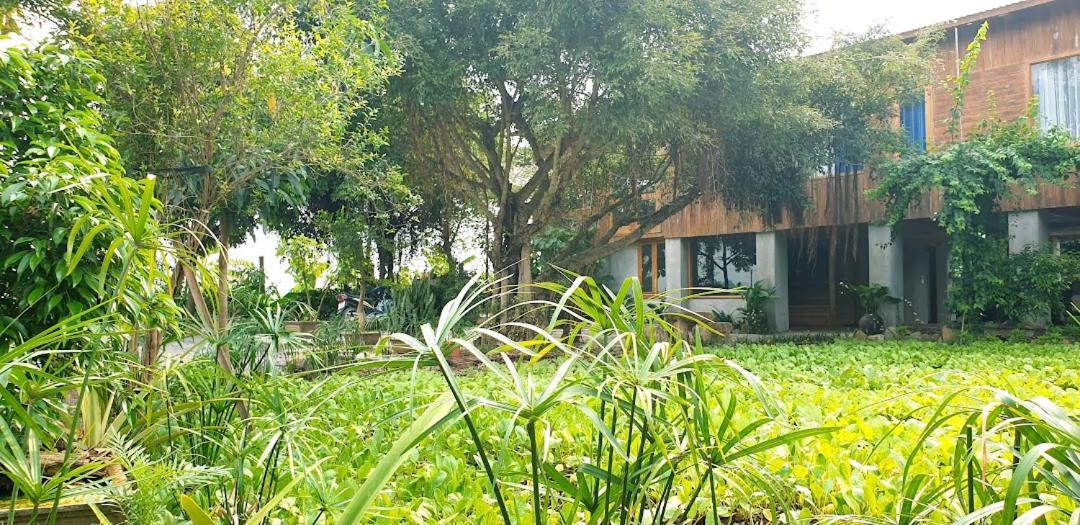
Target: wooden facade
[{"x": 1020, "y": 35}]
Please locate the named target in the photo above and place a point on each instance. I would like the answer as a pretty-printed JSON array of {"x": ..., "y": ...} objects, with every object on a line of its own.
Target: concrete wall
[
  {"x": 1027, "y": 229},
  {"x": 917, "y": 278},
  {"x": 706, "y": 306},
  {"x": 620, "y": 266},
  {"x": 772, "y": 268},
  {"x": 675, "y": 280},
  {"x": 886, "y": 264}
]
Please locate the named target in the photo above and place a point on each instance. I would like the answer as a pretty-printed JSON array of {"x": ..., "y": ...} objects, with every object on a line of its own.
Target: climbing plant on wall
[{"x": 974, "y": 176}]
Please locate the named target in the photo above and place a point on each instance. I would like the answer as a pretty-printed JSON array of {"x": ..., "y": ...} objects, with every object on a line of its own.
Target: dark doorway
[
  {"x": 932, "y": 284},
  {"x": 819, "y": 261}
]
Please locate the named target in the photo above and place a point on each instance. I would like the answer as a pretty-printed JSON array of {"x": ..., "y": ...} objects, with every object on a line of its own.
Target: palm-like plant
[{"x": 645, "y": 392}]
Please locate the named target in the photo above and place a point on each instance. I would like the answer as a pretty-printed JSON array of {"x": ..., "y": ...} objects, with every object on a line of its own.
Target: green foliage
[
  {"x": 871, "y": 297},
  {"x": 974, "y": 177},
  {"x": 721, "y": 316},
  {"x": 306, "y": 258},
  {"x": 752, "y": 316},
  {"x": 528, "y": 114},
  {"x": 419, "y": 301},
  {"x": 72, "y": 226},
  {"x": 233, "y": 102},
  {"x": 1034, "y": 283}
]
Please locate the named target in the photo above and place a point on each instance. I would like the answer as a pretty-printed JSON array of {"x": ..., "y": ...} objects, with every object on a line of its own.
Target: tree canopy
[{"x": 606, "y": 117}]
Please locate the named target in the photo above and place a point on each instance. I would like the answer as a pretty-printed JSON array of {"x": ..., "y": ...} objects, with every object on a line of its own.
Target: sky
[
  {"x": 822, "y": 19},
  {"x": 825, "y": 17}
]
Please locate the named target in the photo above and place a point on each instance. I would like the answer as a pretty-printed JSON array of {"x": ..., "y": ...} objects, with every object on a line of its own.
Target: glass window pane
[
  {"x": 646, "y": 268},
  {"x": 1057, "y": 85}
]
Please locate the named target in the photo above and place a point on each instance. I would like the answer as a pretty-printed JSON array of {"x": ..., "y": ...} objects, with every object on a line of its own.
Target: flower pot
[
  {"x": 871, "y": 324},
  {"x": 714, "y": 332}
]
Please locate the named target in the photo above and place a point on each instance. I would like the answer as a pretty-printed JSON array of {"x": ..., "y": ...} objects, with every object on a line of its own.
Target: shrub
[{"x": 752, "y": 317}]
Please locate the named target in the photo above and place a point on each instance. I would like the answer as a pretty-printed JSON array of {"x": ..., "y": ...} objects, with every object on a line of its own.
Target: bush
[
  {"x": 419, "y": 302},
  {"x": 752, "y": 317}
]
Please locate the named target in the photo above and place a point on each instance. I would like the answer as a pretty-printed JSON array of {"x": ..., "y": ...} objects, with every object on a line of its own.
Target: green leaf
[
  {"x": 437, "y": 414},
  {"x": 197, "y": 515}
]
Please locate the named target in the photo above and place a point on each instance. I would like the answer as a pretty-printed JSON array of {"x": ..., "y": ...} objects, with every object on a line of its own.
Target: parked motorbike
[{"x": 377, "y": 301}]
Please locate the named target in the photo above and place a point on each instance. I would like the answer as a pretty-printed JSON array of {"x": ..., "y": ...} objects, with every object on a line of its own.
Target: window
[
  {"x": 651, "y": 268},
  {"x": 1057, "y": 85},
  {"x": 842, "y": 164},
  {"x": 725, "y": 261},
  {"x": 913, "y": 120}
]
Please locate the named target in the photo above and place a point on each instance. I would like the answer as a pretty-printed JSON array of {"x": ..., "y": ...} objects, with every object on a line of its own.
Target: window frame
[
  {"x": 922, "y": 103},
  {"x": 655, "y": 247},
  {"x": 1030, "y": 84},
  {"x": 692, "y": 269}
]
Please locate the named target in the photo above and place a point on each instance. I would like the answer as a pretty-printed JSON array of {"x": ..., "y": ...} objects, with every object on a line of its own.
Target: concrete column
[
  {"x": 620, "y": 266},
  {"x": 886, "y": 263},
  {"x": 1027, "y": 229},
  {"x": 676, "y": 279},
  {"x": 772, "y": 268}
]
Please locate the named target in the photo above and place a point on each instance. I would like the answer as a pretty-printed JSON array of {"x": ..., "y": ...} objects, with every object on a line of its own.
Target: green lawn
[{"x": 879, "y": 395}]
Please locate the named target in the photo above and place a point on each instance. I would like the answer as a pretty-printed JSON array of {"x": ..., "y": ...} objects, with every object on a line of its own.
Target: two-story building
[{"x": 1033, "y": 51}]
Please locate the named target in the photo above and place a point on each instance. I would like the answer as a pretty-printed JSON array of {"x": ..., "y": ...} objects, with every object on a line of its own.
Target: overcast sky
[{"x": 825, "y": 17}]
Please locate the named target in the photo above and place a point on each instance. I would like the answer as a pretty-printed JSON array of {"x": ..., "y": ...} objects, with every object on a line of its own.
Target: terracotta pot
[{"x": 949, "y": 334}]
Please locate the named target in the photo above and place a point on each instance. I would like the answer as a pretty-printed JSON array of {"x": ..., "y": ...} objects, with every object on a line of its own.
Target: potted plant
[
  {"x": 871, "y": 298},
  {"x": 752, "y": 317}
]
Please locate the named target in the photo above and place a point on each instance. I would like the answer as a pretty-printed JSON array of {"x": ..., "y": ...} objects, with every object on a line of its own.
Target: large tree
[
  {"x": 232, "y": 102},
  {"x": 613, "y": 116}
]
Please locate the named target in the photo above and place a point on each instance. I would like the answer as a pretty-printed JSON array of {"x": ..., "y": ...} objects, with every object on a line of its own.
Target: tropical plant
[
  {"x": 872, "y": 298},
  {"x": 306, "y": 259},
  {"x": 645, "y": 391},
  {"x": 974, "y": 176},
  {"x": 752, "y": 316},
  {"x": 720, "y": 316},
  {"x": 74, "y": 233}
]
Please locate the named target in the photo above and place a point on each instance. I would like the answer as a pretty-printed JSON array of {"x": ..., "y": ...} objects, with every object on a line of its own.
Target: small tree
[
  {"x": 231, "y": 103},
  {"x": 306, "y": 259}
]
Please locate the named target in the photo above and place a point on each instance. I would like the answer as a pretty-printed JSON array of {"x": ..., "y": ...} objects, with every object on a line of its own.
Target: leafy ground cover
[{"x": 882, "y": 397}]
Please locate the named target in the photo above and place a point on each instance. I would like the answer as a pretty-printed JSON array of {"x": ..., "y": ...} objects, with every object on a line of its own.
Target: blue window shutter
[{"x": 913, "y": 120}]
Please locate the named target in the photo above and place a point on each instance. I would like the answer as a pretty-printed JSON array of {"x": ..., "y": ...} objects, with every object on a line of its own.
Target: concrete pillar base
[
  {"x": 886, "y": 262},
  {"x": 772, "y": 269}
]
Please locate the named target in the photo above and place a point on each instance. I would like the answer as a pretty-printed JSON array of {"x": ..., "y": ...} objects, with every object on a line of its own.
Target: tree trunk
[
  {"x": 386, "y": 260},
  {"x": 361, "y": 314},
  {"x": 223, "y": 357},
  {"x": 525, "y": 270},
  {"x": 446, "y": 243}
]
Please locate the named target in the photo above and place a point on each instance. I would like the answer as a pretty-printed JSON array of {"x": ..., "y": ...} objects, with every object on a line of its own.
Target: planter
[
  {"x": 871, "y": 324},
  {"x": 949, "y": 334},
  {"x": 714, "y": 332},
  {"x": 69, "y": 513},
  {"x": 372, "y": 339},
  {"x": 304, "y": 327}
]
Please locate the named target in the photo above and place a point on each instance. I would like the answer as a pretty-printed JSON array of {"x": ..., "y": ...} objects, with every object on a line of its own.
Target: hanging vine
[{"x": 974, "y": 176}]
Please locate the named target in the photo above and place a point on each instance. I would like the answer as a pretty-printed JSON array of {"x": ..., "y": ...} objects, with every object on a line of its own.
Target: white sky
[
  {"x": 822, "y": 19},
  {"x": 825, "y": 17}
]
